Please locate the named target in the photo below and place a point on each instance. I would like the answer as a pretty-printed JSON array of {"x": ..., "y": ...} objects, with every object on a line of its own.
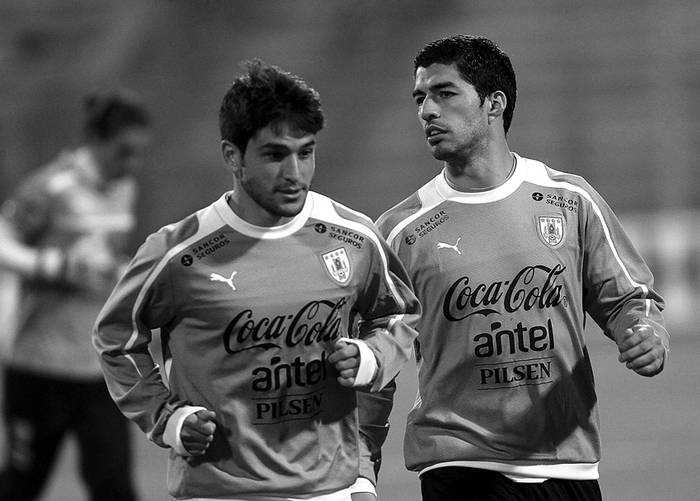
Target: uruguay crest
[
  {"x": 551, "y": 229},
  {"x": 337, "y": 264}
]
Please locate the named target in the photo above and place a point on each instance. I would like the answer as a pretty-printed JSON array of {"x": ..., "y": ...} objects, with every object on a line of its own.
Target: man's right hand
[{"x": 198, "y": 432}]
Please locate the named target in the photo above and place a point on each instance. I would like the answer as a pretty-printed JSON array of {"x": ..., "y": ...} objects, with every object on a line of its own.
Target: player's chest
[
  {"x": 494, "y": 258},
  {"x": 275, "y": 278},
  {"x": 489, "y": 239}
]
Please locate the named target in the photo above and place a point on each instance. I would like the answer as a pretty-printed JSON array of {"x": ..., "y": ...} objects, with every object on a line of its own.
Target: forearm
[
  {"x": 135, "y": 384},
  {"x": 392, "y": 347},
  {"x": 122, "y": 336},
  {"x": 638, "y": 307},
  {"x": 373, "y": 416}
]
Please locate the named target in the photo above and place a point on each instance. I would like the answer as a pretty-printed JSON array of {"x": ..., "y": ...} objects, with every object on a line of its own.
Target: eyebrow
[
  {"x": 281, "y": 146},
  {"x": 435, "y": 87}
]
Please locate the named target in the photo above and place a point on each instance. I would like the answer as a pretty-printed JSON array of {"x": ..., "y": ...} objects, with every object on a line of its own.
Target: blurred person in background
[
  {"x": 65, "y": 233},
  {"x": 507, "y": 256},
  {"x": 258, "y": 297}
]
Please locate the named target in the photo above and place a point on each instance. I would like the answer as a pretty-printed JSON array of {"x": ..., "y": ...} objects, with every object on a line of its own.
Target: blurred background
[{"x": 607, "y": 90}]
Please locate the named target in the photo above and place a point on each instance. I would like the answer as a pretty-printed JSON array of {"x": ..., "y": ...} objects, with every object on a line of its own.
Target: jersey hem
[
  {"x": 361, "y": 485},
  {"x": 528, "y": 473}
]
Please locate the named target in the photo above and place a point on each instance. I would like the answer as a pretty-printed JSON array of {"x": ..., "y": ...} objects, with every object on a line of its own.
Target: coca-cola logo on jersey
[
  {"x": 315, "y": 322},
  {"x": 532, "y": 287}
]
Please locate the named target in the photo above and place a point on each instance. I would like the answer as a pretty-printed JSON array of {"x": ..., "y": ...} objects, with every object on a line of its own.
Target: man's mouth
[
  {"x": 291, "y": 191},
  {"x": 434, "y": 134}
]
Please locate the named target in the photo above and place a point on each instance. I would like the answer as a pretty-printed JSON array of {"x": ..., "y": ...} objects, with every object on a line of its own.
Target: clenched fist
[
  {"x": 346, "y": 359},
  {"x": 642, "y": 350},
  {"x": 198, "y": 432}
]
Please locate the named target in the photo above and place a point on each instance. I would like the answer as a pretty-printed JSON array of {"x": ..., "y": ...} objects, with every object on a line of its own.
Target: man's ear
[
  {"x": 497, "y": 104},
  {"x": 232, "y": 155}
]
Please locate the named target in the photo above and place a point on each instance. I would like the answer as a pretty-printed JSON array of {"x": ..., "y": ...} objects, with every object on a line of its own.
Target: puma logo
[
  {"x": 215, "y": 277},
  {"x": 441, "y": 245}
]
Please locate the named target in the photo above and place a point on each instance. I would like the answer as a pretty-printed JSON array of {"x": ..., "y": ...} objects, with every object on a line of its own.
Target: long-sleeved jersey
[
  {"x": 248, "y": 317},
  {"x": 64, "y": 204},
  {"x": 506, "y": 277}
]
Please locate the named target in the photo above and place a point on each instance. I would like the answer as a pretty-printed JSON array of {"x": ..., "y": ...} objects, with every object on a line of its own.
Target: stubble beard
[
  {"x": 269, "y": 204},
  {"x": 461, "y": 153}
]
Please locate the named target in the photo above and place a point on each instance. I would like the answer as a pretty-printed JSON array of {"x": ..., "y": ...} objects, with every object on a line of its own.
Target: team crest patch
[
  {"x": 337, "y": 264},
  {"x": 551, "y": 229}
]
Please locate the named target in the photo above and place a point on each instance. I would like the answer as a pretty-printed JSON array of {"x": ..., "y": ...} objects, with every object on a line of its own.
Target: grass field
[{"x": 651, "y": 440}]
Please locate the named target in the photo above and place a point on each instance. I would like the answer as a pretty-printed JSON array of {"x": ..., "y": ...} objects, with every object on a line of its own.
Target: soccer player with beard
[
  {"x": 275, "y": 305},
  {"x": 507, "y": 256}
]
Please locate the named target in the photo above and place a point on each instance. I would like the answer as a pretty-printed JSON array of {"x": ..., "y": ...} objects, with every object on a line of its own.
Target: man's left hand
[{"x": 642, "y": 350}]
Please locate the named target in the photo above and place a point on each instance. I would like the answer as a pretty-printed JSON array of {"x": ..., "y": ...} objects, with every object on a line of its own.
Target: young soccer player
[
  {"x": 255, "y": 297},
  {"x": 507, "y": 256}
]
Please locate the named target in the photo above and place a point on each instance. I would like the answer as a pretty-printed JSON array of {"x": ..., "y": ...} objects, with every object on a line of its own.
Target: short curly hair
[
  {"x": 267, "y": 95},
  {"x": 479, "y": 61}
]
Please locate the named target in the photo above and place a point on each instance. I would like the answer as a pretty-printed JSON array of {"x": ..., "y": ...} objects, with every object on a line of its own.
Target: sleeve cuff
[
  {"x": 368, "y": 363},
  {"x": 173, "y": 427},
  {"x": 363, "y": 484}
]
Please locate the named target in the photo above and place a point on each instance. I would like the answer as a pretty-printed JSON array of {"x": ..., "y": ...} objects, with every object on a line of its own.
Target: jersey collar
[
  {"x": 263, "y": 232},
  {"x": 498, "y": 193}
]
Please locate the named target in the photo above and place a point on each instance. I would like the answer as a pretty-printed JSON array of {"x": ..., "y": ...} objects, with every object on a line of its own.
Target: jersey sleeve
[
  {"x": 140, "y": 303},
  {"x": 373, "y": 417},
  {"x": 618, "y": 287},
  {"x": 388, "y": 310}
]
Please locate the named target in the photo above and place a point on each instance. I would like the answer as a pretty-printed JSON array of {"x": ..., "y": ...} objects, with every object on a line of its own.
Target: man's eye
[
  {"x": 419, "y": 100},
  {"x": 306, "y": 153},
  {"x": 446, "y": 94},
  {"x": 274, "y": 157}
]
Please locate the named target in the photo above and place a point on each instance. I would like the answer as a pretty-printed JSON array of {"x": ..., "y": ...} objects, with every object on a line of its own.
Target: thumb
[
  {"x": 206, "y": 415},
  {"x": 340, "y": 343}
]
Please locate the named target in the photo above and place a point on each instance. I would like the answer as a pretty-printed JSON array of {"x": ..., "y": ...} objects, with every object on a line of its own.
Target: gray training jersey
[
  {"x": 248, "y": 318},
  {"x": 505, "y": 278}
]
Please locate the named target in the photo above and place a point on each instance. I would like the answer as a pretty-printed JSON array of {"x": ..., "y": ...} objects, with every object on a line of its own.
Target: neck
[
  {"x": 249, "y": 211},
  {"x": 481, "y": 173}
]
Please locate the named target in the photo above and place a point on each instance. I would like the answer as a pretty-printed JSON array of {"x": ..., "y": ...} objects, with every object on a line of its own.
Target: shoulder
[
  {"x": 338, "y": 218},
  {"x": 332, "y": 211},
  {"x": 176, "y": 232},
  {"x": 174, "y": 238},
  {"x": 540, "y": 174},
  {"x": 326, "y": 207},
  {"x": 392, "y": 221},
  {"x": 400, "y": 212}
]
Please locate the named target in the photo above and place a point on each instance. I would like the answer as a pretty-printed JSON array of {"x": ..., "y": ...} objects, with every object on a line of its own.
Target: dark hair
[
  {"x": 108, "y": 113},
  {"x": 479, "y": 61},
  {"x": 267, "y": 95}
]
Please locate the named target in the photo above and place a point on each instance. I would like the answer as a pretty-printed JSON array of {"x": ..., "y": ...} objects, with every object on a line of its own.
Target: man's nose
[
  {"x": 292, "y": 167},
  {"x": 428, "y": 110}
]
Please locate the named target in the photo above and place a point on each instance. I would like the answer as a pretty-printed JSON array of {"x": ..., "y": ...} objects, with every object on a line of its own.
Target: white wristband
[
  {"x": 171, "y": 435},
  {"x": 363, "y": 484}
]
